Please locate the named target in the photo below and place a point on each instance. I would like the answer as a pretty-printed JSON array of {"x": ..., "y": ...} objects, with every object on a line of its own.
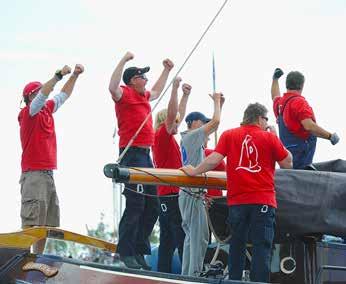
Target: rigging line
[{"x": 164, "y": 92}]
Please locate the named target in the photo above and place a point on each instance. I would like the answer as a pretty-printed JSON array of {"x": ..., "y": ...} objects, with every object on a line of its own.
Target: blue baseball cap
[{"x": 196, "y": 115}]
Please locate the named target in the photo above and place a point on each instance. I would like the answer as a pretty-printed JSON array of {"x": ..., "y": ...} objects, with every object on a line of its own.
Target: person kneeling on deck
[
  {"x": 298, "y": 129},
  {"x": 251, "y": 153},
  {"x": 132, "y": 107},
  {"x": 40, "y": 204},
  {"x": 166, "y": 154},
  {"x": 194, "y": 218}
]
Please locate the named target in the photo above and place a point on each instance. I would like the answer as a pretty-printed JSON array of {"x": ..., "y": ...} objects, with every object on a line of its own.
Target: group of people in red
[{"x": 251, "y": 150}]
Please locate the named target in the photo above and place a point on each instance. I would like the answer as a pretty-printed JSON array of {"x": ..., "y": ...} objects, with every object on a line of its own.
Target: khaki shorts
[{"x": 40, "y": 203}]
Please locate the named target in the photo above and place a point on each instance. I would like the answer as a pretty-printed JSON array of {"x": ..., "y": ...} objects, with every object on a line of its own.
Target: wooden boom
[
  {"x": 159, "y": 176},
  {"x": 27, "y": 237}
]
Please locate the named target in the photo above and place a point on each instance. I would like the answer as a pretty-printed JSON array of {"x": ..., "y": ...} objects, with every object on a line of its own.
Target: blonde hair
[{"x": 160, "y": 118}]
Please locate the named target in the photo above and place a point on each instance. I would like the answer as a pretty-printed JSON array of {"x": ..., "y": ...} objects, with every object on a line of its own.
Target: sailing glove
[
  {"x": 334, "y": 138},
  {"x": 277, "y": 73}
]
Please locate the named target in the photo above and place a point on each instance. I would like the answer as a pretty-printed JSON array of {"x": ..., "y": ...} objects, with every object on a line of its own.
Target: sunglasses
[{"x": 141, "y": 76}]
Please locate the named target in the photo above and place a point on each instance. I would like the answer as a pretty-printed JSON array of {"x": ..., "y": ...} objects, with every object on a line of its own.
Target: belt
[
  {"x": 49, "y": 172},
  {"x": 137, "y": 149}
]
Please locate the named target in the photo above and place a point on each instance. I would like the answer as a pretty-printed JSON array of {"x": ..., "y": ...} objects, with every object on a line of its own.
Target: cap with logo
[{"x": 130, "y": 72}]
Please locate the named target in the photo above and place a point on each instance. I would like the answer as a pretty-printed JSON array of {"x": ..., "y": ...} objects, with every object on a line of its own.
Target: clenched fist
[
  {"x": 65, "y": 70},
  {"x": 78, "y": 69},
  {"x": 186, "y": 89},
  {"x": 128, "y": 56},
  {"x": 168, "y": 64}
]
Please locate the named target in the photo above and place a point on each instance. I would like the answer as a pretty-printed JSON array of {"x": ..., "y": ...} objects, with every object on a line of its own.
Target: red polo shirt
[
  {"x": 37, "y": 136},
  {"x": 220, "y": 167},
  {"x": 131, "y": 111},
  {"x": 251, "y": 155},
  {"x": 295, "y": 111},
  {"x": 166, "y": 154}
]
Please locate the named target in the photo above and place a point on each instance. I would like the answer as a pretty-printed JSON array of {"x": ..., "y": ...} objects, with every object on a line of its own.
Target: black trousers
[
  {"x": 141, "y": 212},
  {"x": 171, "y": 233}
]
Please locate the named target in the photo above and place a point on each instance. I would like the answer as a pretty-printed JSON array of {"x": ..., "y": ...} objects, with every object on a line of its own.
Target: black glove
[{"x": 277, "y": 73}]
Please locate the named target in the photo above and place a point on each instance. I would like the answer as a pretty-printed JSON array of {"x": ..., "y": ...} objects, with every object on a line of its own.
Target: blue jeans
[
  {"x": 171, "y": 233},
  {"x": 141, "y": 211},
  {"x": 251, "y": 223}
]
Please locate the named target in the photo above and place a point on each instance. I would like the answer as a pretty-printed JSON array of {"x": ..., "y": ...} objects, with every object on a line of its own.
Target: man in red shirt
[
  {"x": 298, "y": 129},
  {"x": 40, "y": 204},
  {"x": 251, "y": 153},
  {"x": 166, "y": 154},
  {"x": 132, "y": 107}
]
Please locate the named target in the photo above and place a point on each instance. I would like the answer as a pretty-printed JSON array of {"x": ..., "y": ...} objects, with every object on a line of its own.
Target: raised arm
[
  {"x": 161, "y": 82},
  {"x": 39, "y": 101},
  {"x": 213, "y": 124},
  {"x": 67, "y": 89},
  {"x": 70, "y": 83},
  {"x": 173, "y": 106},
  {"x": 114, "y": 84},
  {"x": 48, "y": 87},
  {"x": 183, "y": 101},
  {"x": 275, "y": 89}
]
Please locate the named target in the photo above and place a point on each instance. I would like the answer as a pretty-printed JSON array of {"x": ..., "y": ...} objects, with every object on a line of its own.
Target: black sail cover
[{"x": 310, "y": 202}]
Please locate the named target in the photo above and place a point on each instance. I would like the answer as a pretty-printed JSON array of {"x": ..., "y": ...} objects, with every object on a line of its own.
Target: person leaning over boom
[
  {"x": 166, "y": 154},
  {"x": 40, "y": 204},
  {"x": 251, "y": 153},
  {"x": 131, "y": 108},
  {"x": 298, "y": 129}
]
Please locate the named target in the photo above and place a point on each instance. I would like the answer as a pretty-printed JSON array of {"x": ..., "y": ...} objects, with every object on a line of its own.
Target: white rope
[{"x": 164, "y": 92}]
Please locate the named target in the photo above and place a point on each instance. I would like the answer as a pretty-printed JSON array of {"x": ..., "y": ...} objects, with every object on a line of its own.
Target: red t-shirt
[
  {"x": 37, "y": 135},
  {"x": 131, "y": 110},
  {"x": 220, "y": 167},
  {"x": 166, "y": 154},
  {"x": 251, "y": 155},
  {"x": 295, "y": 111}
]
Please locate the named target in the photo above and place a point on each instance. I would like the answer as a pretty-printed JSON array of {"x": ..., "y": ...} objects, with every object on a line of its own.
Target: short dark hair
[
  {"x": 295, "y": 81},
  {"x": 252, "y": 112}
]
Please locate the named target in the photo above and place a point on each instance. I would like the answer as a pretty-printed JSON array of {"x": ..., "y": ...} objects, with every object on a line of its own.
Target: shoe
[
  {"x": 140, "y": 260},
  {"x": 130, "y": 262}
]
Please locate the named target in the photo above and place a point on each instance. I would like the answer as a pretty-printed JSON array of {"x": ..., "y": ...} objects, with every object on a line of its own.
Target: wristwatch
[{"x": 58, "y": 75}]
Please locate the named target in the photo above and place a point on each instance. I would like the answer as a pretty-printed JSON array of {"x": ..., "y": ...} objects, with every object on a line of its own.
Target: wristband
[{"x": 58, "y": 75}]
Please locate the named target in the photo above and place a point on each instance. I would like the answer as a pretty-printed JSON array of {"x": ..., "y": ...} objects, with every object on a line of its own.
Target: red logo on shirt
[{"x": 249, "y": 156}]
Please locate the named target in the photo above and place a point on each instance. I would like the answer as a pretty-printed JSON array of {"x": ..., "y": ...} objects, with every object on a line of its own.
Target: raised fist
[
  {"x": 78, "y": 69},
  {"x": 176, "y": 82},
  {"x": 65, "y": 70},
  {"x": 277, "y": 73},
  {"x": 186, "y": 89},
  {"x": 168, "y": 64},
  {"x": 128, "y": 56}
]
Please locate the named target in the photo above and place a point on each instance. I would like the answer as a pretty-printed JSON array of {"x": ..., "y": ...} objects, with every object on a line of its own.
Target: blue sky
[{"x": 249, "y": 39}]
